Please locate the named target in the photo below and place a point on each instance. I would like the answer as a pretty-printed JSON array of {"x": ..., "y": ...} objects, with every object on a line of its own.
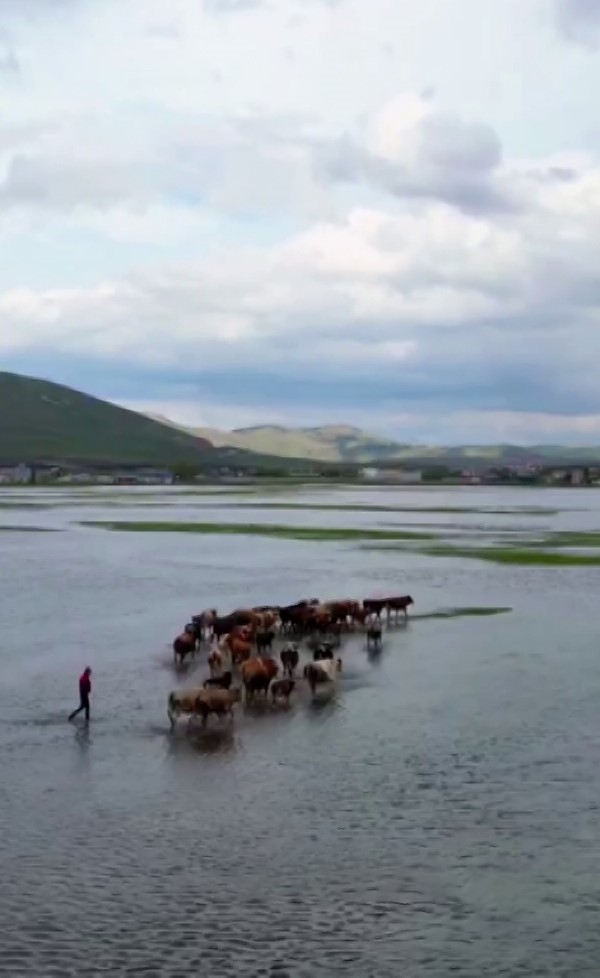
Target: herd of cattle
[{"x": 241, "y": 644}]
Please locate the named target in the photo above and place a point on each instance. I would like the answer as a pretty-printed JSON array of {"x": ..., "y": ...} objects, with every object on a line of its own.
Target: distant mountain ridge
[
  {"x": 43, "y": 422},
  {"x": 326, "y": 443},
  {"x": 345, "y": 443}
]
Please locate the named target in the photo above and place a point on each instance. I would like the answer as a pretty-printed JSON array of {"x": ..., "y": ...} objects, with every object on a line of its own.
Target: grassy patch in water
[
  {"x": 524, "y": 556},
  {"x": 529, "y": 556},
  {"x": 326, "y": 533},
  {"x": 462, "y": 613},
  {"x": 29, "y": 529},
  {"x": 377, "y": 508},
  {"x": 567, "y": 538},
  {"x": 17, "y": 504}
]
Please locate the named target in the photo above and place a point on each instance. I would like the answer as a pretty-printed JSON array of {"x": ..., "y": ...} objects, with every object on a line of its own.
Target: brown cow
[
  {"x": 215, "y": 662},
  {"x": 240, "y": 651},
  {"x": 217, "y": 701},
  {"x": 184, "y": 645},
  {"x": 204, "y": 623},
  {"x": 201, "y": 702},
  {"x": 257, "y": 675},
  {"x": 396, "y": 605}
]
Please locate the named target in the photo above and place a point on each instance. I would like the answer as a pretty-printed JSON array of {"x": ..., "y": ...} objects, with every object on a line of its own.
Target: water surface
[{"x": 440, "y": 817}]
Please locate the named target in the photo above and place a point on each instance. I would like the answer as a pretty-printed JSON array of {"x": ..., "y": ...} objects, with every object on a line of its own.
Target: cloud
[
  {"x": 207, "y": 207},
  {"x": 580, "y": 21},
  {"x": 429, "y": 306},
  {"x": 409, "y": 148}
]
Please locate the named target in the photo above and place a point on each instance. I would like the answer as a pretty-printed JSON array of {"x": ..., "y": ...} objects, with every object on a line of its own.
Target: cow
[
  {"x": 264, "y": 641},
  {"x": 184, "y": 644},
  {"x": 201, "y": 702},
  {"x": 374, "y": 634},
  {"x": 223, "y": 681},
  {"x": 322, "y": 673},
  {"x": 217, "y": 701},
  {"x": 257, "y": 675},
  {"x": 290, "y": 657},
  {"x": 343, "y": 611},
  {"x": 225, "y": 625},
  {"x": 241, "y": 651},
  {"x": 203, "y": 623},
  {"x": 298, "y": 617},
  {"x": 323, "y": 651},
  {"x": 282, "y": 689},
  {"x": 396, "y": 605},
  {"x": 267, "y": 621},
  {"x": 374, "y": 606},
  {"x": 215, "y": 662},
  {"x": 182, "y": 701}
]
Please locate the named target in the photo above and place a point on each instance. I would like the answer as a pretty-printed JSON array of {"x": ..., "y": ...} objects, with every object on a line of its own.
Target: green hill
[{"x": 45, "y": 422}]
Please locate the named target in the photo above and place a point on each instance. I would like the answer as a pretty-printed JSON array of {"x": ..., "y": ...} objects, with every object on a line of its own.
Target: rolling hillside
[
  {"x": 45, "y": 422},
  {"x": 343, "y": 443},
  {"x": 330, "y": 443}
]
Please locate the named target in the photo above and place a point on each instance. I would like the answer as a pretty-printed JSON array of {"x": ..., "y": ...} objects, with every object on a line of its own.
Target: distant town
[{"x": 27, "y": 473}]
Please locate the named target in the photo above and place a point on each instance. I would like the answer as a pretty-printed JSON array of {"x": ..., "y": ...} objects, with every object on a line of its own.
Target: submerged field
[
  {"x": 527, "y": 545},
  {"x": 438, "y": 817}
]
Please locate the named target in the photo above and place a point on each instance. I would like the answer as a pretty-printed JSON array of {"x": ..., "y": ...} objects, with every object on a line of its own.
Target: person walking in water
[{"x": 85, "y": 688}]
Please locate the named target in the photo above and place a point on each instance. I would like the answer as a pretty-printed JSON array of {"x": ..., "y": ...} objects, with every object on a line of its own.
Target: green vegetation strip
[
  {"x": 328, "y": 533},
  {"x": 29, "y": 529},
  {"x": 462, "y": 613},
  {"x": 369, "y": 508},
  {"x": 524, "y": 556},
  {"x": 517, "y": 555},
  {"x": 530, "y": 553}
]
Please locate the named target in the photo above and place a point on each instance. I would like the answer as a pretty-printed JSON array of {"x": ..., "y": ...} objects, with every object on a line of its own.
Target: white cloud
[{"x": 309, "y": 190}]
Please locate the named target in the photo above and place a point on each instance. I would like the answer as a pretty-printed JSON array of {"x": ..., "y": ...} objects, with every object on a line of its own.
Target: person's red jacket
[{"x": 85, "y": 684}]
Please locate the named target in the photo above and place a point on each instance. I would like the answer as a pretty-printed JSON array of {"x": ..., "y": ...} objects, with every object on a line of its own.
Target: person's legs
[{"x": 84, "y": 705}]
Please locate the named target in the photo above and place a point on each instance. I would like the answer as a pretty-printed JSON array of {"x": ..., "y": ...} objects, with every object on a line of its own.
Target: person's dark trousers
[{"x": 84, "y": 705}]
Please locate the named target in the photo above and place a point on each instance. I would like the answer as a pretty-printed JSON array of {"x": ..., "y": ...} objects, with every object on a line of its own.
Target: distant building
[
  {"x": 144, "y": 477},
  {"x": 21, "y": 474},
  {"x": 392, "y": 476}
]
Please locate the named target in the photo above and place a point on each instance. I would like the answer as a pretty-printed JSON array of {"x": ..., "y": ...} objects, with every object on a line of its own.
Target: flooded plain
[{"x": 440, "y": 816}]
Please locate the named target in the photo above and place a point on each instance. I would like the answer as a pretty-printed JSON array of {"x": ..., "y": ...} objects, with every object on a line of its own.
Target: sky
[{"x": 373, "y": 212}]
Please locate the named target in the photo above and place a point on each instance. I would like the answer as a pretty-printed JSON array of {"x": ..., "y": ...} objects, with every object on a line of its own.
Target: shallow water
[{"x": 439, "y": 817}]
